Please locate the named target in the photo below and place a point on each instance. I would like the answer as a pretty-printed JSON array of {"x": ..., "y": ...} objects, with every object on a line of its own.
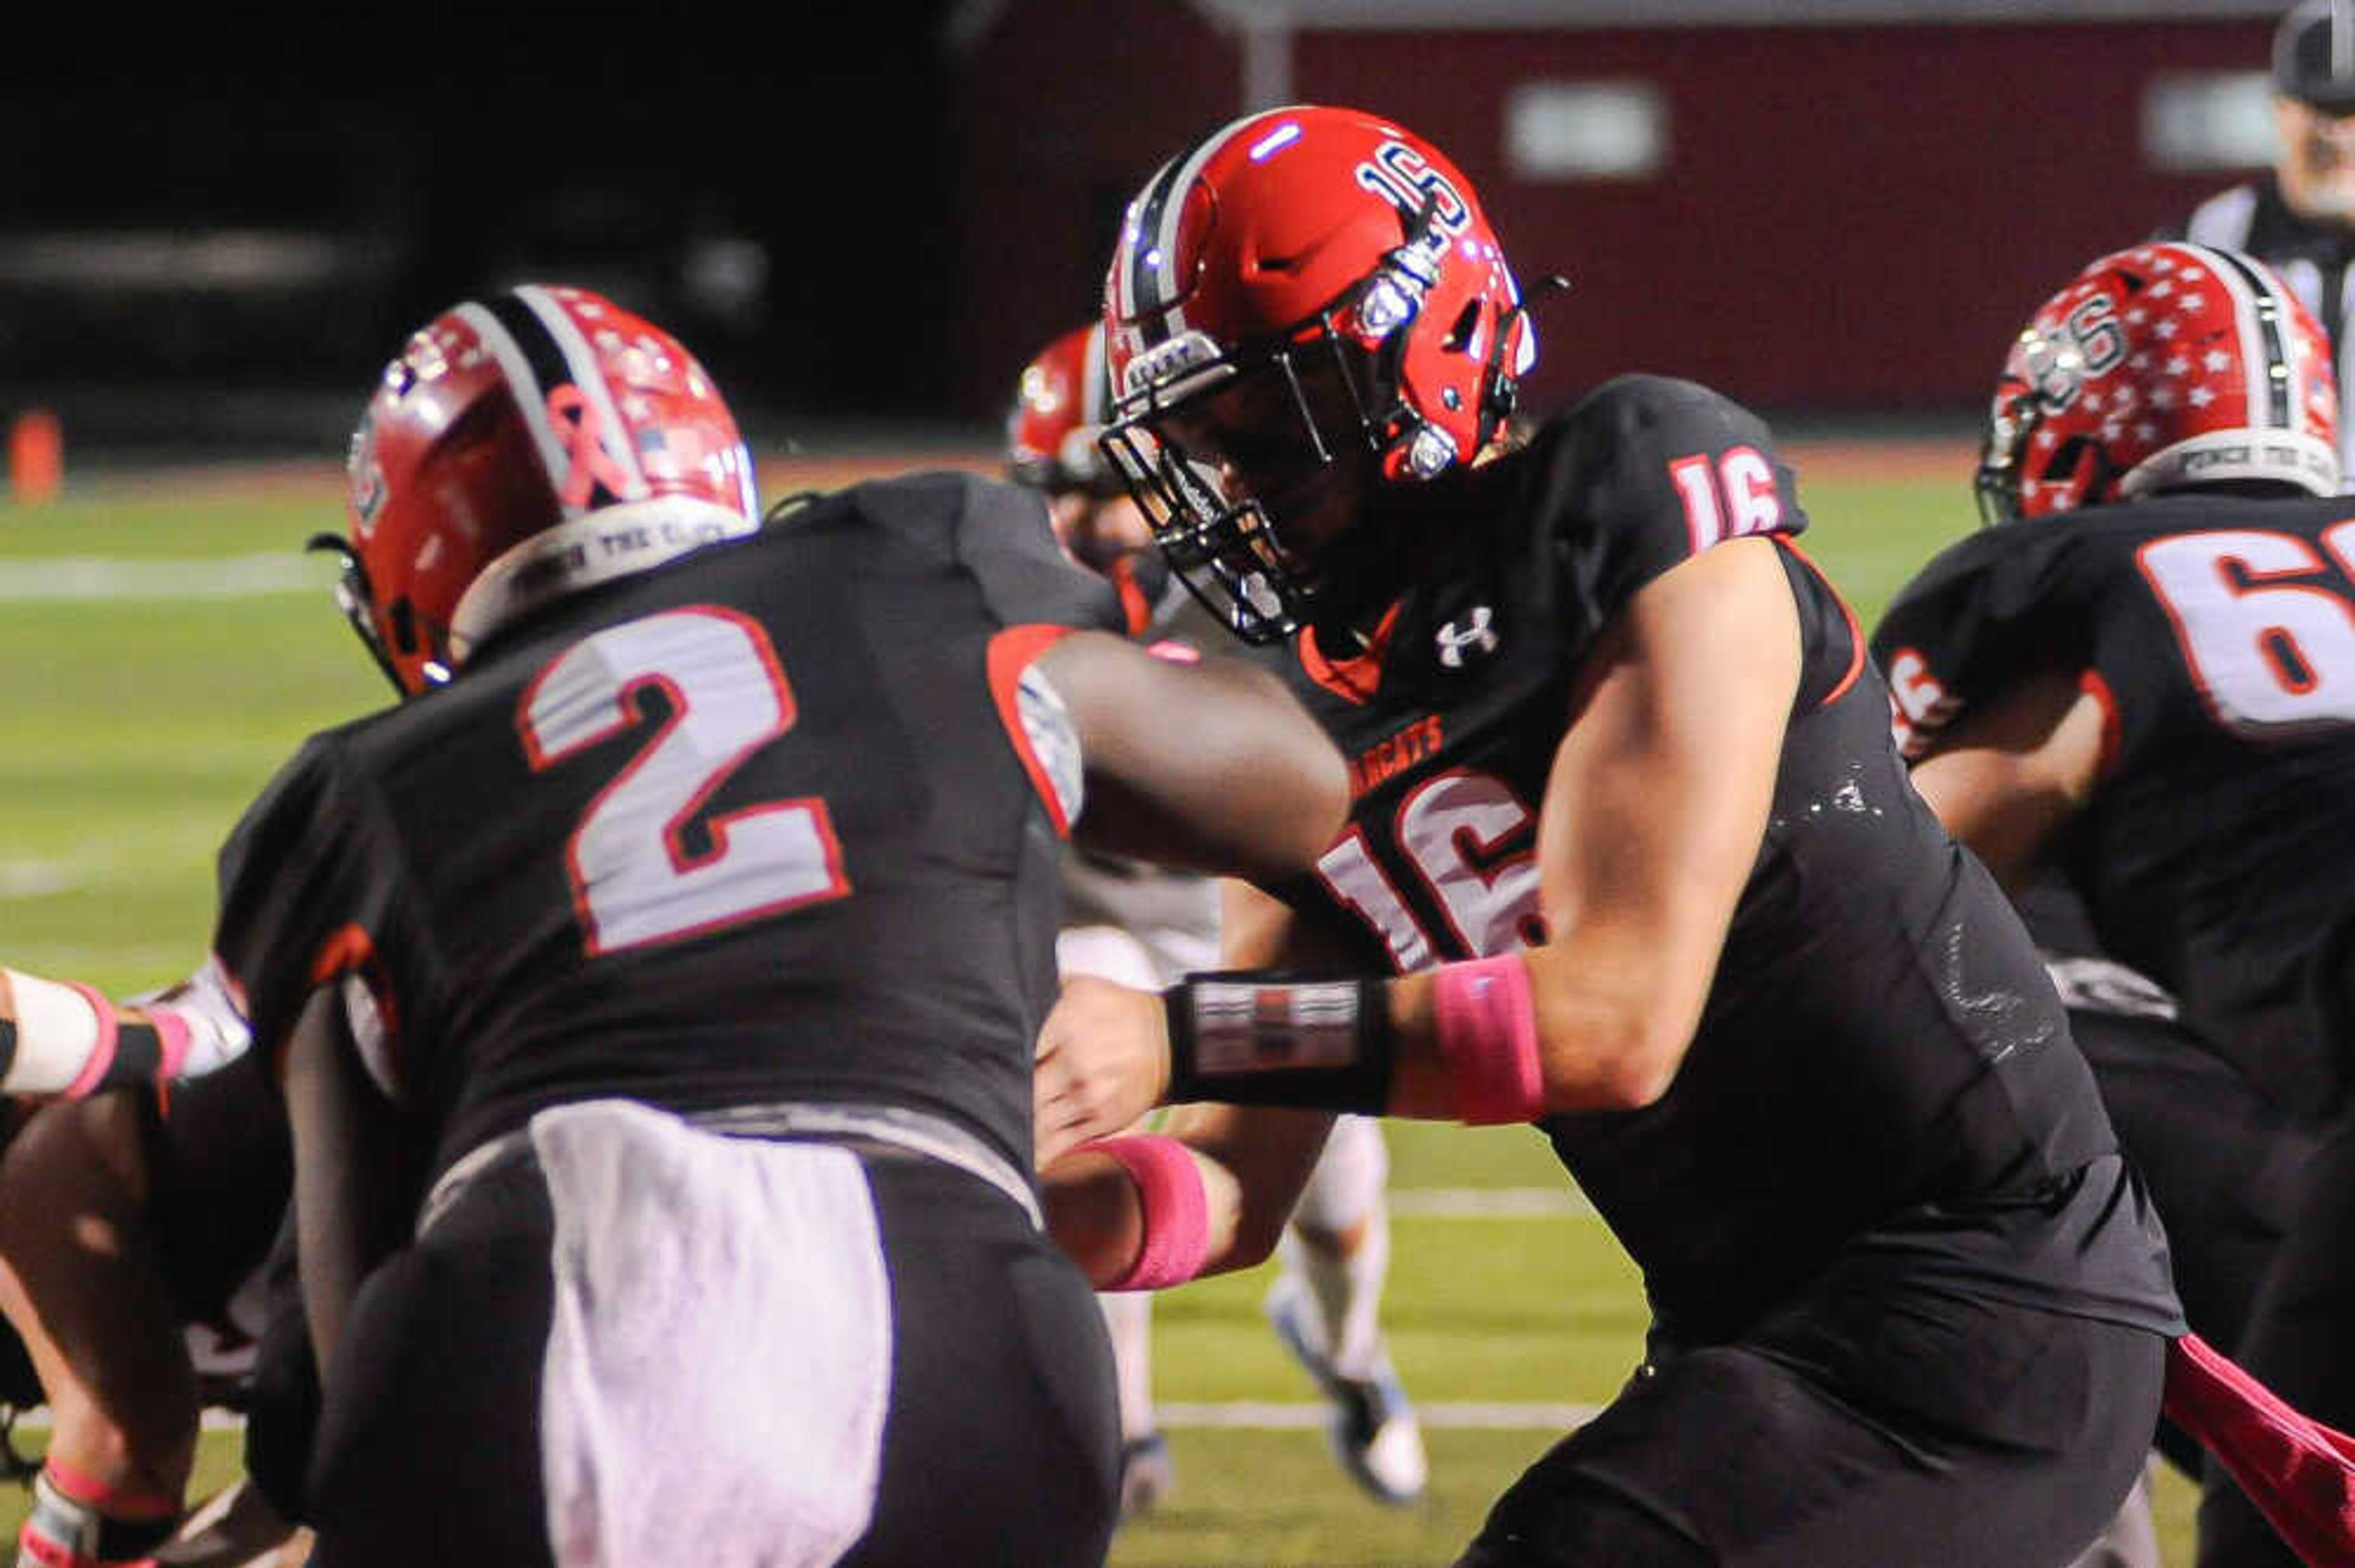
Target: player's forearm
[
  {"x": 1143, "y": 1223},
  {"x": 1489, "y": 1041},
  {"x": 1478, "y": 1042},
  {"x": 64, "y": 1038}
]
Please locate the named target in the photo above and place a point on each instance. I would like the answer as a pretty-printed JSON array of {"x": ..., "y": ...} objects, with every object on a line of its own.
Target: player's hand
[{"x": 1102, "y": 1062}]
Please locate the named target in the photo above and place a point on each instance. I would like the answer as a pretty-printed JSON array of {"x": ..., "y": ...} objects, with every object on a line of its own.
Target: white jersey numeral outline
[
  {"x": 1446, "y": 829},
  {"x": 2272, "y": 656},
  {"x": 1748, "y": 502}
]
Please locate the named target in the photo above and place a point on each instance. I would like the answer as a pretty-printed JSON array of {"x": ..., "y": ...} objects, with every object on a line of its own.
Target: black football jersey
[
  {"x": 1880, "y": 1037},
  {"x": 756, "y": 826},
  {"x": 2219, "y": 632}
]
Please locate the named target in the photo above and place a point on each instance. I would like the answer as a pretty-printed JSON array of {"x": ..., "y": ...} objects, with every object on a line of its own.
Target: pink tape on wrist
[
  {"x": 172, "y": 1041},
  {"x": 97, "y": 1493},
  {"x": 1177, "y": 1212},
  {"x": 1488, "y": 1039},
  {"x": 102, "y": 1055}
]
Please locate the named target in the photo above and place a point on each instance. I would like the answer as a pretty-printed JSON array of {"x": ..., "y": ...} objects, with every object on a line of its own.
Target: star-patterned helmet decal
[{"x": 2163, "y": 365}]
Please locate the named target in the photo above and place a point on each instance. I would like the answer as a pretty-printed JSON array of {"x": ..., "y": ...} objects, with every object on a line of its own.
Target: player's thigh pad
[
  {"x": 1004, "y": 1440},
  {"x": 1000, "y": 1443},
  {"x": 220, "y": 1173},
  {"x": 428, "y": 1449},
  {"x": 1936, "y": 1431}
]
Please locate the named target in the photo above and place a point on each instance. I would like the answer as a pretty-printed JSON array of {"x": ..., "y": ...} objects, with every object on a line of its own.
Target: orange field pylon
[{"x": 37, "y": 456}]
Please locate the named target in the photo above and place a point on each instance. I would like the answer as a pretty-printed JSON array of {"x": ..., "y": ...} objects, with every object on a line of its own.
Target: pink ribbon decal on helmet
[{"x": 582, "y": 427}]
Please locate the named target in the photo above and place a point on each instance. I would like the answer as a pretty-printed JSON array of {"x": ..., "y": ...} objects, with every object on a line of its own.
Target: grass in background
[{"x": 139, "y": 729}]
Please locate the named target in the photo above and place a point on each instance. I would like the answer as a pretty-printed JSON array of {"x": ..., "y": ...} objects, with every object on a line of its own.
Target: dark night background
[
  {"x": 772, "y": 186},
  {"x": 212, "y": 236}
]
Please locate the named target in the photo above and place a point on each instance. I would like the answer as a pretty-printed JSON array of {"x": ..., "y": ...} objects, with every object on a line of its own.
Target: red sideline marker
[{"x": 36, "y": 461}]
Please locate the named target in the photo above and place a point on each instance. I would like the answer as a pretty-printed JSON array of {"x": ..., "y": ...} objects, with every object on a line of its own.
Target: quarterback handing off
[{"x": 1629, "y": 832}]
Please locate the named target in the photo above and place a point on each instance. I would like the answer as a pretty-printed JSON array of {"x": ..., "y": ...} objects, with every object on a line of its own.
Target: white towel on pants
[{"x": 720, "y": 1364}]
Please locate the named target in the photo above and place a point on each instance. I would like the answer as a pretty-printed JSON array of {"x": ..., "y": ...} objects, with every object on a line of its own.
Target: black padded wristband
[
  {"x": 1258, "y": 1038},
  {"x": 138, "y": 1058}
]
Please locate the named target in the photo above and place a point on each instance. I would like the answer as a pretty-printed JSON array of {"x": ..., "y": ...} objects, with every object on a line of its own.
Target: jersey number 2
[{"x": 634, "y": 879}]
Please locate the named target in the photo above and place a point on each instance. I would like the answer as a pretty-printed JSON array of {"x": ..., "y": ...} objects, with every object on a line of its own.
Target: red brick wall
[{"x": 1853, "y": 218}]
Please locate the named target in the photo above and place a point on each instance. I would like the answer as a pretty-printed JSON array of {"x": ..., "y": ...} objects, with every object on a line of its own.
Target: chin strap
[{"x": 1502, "y": 390}]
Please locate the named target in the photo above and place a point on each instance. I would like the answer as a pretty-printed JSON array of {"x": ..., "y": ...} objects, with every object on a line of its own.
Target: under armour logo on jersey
[{"x": 1473, "y": 637}]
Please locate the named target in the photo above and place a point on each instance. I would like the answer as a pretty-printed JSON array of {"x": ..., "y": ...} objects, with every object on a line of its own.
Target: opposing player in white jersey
[{"x": 1144, "y": 926}]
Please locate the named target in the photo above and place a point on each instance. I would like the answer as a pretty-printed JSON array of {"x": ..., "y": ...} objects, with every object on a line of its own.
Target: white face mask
[{"x": 2317, "y": 163}]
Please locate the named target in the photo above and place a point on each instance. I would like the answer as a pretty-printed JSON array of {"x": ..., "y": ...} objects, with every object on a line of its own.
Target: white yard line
[
  {"x": 1231, "y": 1415},
  {"x": 1447, "y": 1416},
  {"x": 72, "y": 577},
  {"x": 39, "y": 879},
  {"x": 1563, "y": 1202}
]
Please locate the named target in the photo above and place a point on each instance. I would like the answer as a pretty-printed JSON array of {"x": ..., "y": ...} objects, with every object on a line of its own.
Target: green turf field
[{"x": 162, "y": 664}]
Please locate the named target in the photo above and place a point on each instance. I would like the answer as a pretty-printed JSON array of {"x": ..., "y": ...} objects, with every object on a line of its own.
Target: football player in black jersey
[
  {"x": 655, "y": 986},
  {"x": 2140, "y": 682},
  {"x": 1629, "y": 827}
]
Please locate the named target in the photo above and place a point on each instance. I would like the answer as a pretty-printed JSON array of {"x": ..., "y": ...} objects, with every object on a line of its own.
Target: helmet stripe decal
[
  {"x": 588, "y": 373},
  {"x": 1152, "y": 284},
  {"x": 2265, "y": 351},
  {"x": 562, "y": 396},
  {"x": 524, "y": 384},
  {"x": 1146, "y": 283},
  {"x": 1095, "y": 381}
]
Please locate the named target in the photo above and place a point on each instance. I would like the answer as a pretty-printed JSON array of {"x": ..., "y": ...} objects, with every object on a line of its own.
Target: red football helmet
[
  {"x": 1060, "y": 406},
  {"x": 2161, "y": 367},
  {"x": 1293, "y": 249},
  {"x": 520, "y": 449}
]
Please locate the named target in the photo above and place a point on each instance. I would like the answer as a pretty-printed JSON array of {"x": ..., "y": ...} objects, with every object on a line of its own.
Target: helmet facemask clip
[{"x": 358, "y": 602}]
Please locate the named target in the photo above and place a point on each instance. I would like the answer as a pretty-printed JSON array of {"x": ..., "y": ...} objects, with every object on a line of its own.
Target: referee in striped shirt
[{"x": 2301, "y": 218}]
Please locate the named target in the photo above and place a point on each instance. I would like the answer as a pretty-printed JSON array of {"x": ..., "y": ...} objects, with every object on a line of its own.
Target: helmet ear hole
[
  {"x": 1464, "y": 327},
  {"x": 2080, "y": 462},
  {"x": 402, "y": 616}
]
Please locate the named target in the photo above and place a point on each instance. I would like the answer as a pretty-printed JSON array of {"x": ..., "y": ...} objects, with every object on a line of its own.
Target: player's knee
[
  {"x": 1552, "y": 1525},
  {"x": 71, "y": 1159}
]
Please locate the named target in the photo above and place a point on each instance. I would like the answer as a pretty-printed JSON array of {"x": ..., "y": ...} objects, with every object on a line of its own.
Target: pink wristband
[
  {"x": 1489, "y": 1038},
  {"x": 97, "y": 1493},
  {"x": 102, "y": 1055},
  {"x": 172, "y": 1041},
  {"x": 1177, "y": 1212}
]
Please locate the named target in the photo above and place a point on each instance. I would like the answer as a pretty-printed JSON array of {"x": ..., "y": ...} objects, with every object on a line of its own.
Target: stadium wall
[{"x": 1851, "y": 218}]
